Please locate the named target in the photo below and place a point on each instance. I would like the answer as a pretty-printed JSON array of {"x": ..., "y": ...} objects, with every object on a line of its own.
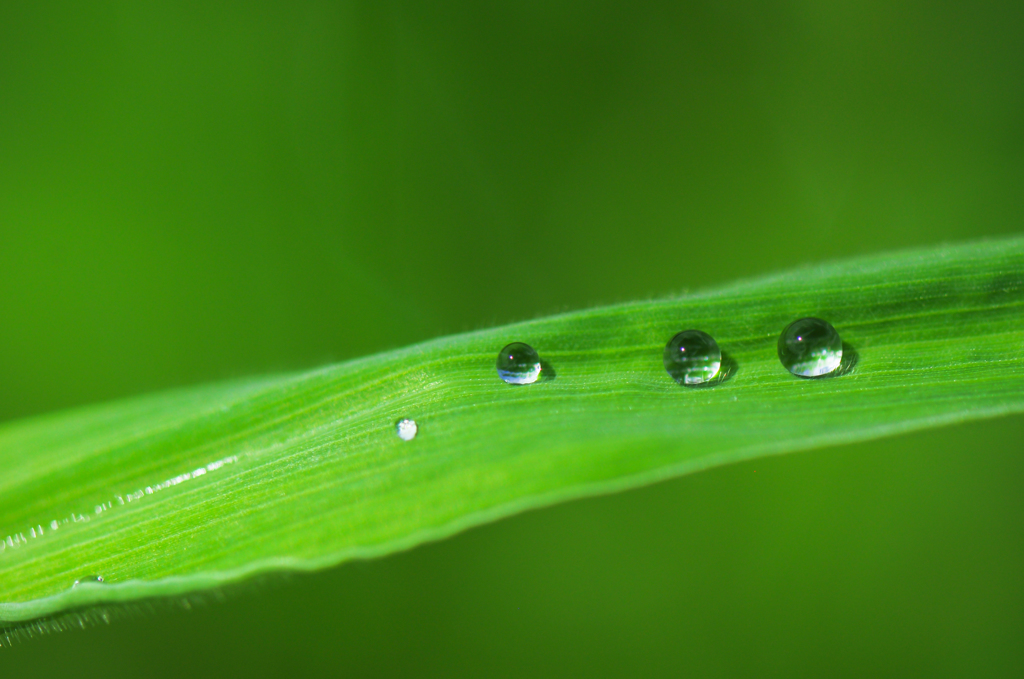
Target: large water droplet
[
  {"x": 692, "y": 357},
  {"x": 406, "y": 429},
  {"x": 518, "y": 363},
  {"x": 87, "y": 579},
  {"x": 810, "y": 347}
]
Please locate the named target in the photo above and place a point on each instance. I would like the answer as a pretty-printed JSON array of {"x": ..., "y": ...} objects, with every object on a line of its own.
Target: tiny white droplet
[{"x": 406, "y": 429}]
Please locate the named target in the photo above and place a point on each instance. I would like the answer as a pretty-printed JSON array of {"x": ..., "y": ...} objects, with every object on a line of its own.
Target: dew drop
[
  {"x": 406, "y": 429},
  {"x": 518, "y": 363},
  {"x": 810, "y": 347},
  {"x": 89, "y": 579},
  {"x": 692, "y": 357}
]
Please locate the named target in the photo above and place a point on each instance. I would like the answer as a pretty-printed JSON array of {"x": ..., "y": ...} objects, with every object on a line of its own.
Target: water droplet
[
  {"x": 692, "y": 357},
  {"x": 406, "y": 429},
  {"x": 94, "y": 579},
  {"x": 518, "y": 363},
  {"x": 810, "y": 347}
]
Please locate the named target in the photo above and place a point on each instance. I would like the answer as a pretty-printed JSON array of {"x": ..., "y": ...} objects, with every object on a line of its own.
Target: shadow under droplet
[
  {"x": 547, "y": 372},
  {"x": 726, "y": 370},
  {"x": 850, "y": 360}
]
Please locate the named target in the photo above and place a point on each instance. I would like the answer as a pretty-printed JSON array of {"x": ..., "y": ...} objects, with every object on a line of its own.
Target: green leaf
[{"x": 186, "y": 490}]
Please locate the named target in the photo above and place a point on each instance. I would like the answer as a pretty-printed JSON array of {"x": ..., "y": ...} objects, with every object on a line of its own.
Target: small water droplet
[
  {"x": 692, "y": 357},
  {"x": 94, "y": 579},
  {"x": 518, "y": 363},
  {"x": 810, "y": 347},
  {"x": 406, "y": 429}
]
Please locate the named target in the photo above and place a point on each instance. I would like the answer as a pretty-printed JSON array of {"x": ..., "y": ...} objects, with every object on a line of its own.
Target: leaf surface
[{"x": 181, "y": 491}]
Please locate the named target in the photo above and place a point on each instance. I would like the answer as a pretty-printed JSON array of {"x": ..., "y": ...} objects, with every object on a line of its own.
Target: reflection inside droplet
[
  {"x": 810, "y": 347},
  {"x": 518, "y": 363},
  {"x": 692, "y": 357}
]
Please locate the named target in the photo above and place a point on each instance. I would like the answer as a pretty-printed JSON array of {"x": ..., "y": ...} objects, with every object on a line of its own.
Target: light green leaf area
[{"x": 181, "y": 491}]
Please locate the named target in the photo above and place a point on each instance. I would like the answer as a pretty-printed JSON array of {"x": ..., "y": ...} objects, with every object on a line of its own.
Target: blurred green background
[{"x": 197, "y": 191}]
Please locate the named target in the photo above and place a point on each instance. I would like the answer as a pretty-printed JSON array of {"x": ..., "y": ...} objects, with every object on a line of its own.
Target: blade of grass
[{"x": 181, "y": 491}]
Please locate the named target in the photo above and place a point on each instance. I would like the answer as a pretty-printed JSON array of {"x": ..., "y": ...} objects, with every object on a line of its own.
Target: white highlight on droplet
[{"x": 406, "y": 429}]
